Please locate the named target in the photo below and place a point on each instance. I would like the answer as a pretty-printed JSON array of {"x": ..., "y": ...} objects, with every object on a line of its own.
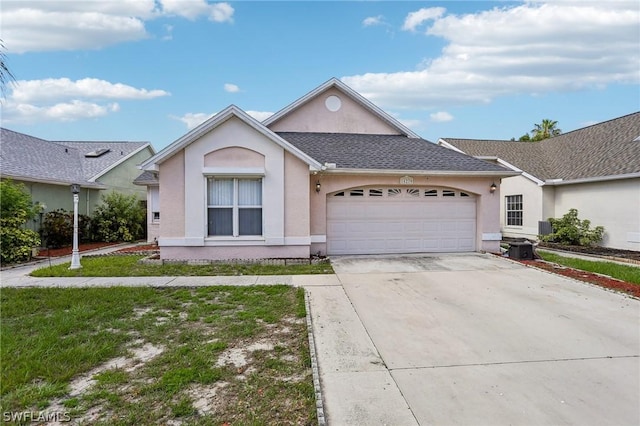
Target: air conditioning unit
[{"x": 521, "y": 250}]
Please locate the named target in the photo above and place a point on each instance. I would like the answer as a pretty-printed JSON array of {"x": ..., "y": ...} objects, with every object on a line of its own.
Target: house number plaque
[{"x": 406, "y": 180}]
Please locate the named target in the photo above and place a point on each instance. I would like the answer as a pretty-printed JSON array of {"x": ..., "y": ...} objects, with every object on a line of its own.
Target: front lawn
[
  {"x": 128, "y": 266},
  {"x": 626, "y": 273},
  {"x": 214, "y": 355}
]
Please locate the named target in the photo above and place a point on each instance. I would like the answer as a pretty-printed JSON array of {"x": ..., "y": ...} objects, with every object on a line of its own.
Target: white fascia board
[
  {"x": 462, "y": 173},
  {"x": 120, "y": 161},
  {"x": 557, "y": 182},
  {"x": 357, "y": 97},
  {"x": 213, "y": 122},
  {"x": 446, "y": 144}
]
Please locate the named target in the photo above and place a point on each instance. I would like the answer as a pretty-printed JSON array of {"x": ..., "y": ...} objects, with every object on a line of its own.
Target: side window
[{"x": 513, "y": 204}]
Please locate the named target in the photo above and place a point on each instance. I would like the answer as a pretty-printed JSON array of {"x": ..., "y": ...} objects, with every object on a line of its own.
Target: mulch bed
[
  {"x": 139, "y": 248},
  {"x": 601, "y": 280}
]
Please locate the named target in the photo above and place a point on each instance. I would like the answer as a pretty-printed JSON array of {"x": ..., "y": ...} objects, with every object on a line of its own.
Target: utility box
[{"x": 521, "y": 250}]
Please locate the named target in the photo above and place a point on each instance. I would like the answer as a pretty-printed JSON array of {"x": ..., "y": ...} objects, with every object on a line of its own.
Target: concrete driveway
[{"x": 473, "y": 340}]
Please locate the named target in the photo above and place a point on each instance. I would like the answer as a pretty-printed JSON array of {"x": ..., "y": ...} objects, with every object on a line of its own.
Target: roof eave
[
  {"x": 231, "y": 111},
  {"x": 465, "y": 173},
  {"x": 559, "y": 182},
  {"x": 90, "y": 185}
]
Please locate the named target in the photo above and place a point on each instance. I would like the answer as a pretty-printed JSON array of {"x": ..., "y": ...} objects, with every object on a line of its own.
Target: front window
[
  {"x": 514, "y": 210},
  {"x": 234, "y": 207}
]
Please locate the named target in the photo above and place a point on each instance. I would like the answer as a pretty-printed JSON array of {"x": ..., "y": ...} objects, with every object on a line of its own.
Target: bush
[
  {"x": 119, "y": 218},
  {"x": 57, "y": 228},
  {"x": 573, "y": 231},
  {"x": 16, "y": 208}
]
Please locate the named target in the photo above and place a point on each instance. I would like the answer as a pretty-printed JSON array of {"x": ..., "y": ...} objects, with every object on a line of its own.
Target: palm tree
[
  {"x": 546, "y": 129},
  {"x": 6, "y": 75}
]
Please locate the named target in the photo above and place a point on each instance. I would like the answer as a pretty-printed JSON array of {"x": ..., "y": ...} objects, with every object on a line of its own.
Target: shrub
[
  {"x": 573, "y": 231},
  {"x": 57, "y": 228},
  {"x": 16, "y": 208},
  {"x": 119, "y": 218}
]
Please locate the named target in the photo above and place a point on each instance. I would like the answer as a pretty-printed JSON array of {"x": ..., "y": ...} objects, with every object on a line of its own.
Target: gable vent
[{"x": 97, "y": 153}]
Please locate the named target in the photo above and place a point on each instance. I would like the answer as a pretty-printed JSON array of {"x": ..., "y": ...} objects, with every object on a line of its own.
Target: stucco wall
[
  {"x": 612, "y": 204},
  {"x": 234, "y": 149},
  {"x": 488, "y": 205},
  {"x": 532, "y": 204},
  {"x": 172, "y": 206},
  {"x": 315, "y": 117},
  {"x": 121, "y": 177}
]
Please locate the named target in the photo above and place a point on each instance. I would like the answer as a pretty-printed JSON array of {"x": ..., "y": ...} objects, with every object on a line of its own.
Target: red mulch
[
  {"x": 66, "y": 251},
  {"x": 146, "y": 247},
  {"x": 607, "y": 282}
]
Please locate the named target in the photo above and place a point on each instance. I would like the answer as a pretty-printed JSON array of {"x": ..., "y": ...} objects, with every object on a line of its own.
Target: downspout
[{"x": 87, "y": 208}]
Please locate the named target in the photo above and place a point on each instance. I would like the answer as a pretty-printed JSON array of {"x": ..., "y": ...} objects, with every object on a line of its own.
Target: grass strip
[
  {"x": 628, "y": 273},
  {"x": 128, "y": 266},
  {"x": 51, "y": 337}
]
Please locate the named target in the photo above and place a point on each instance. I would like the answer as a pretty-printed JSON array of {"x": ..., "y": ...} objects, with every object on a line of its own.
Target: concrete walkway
[{"x": 456, "y": 339}]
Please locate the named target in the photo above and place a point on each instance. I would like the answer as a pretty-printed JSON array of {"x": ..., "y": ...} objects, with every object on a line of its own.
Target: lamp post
[{"x": 75, "y": 256}]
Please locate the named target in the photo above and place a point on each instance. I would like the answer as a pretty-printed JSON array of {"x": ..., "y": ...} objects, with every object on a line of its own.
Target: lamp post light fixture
[{"x": 75, "y": 255}]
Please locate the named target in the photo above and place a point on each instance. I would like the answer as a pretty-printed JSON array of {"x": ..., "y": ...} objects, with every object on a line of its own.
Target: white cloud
[
  {"x": 440, "y": 117},
  {"x": 63, "y": 88},
  {"x": 529, "y": 49},
  {"x": 260, "y": 115},
  {"x": 231, "y": 88},
  {"x": 372, "y": 20},
  {"x": 415, "y": 19},
  {"x": 63, "y": 111},
  {"x": 193, "y": 119},
  {"x": 71, "y": 25},
  {"x": 65, "y": 100}
]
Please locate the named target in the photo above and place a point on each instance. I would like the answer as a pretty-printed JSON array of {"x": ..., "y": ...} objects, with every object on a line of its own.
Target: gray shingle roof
[
  {"x": 386, "y": 152},
  {"x": 23, "y": 156},
  {"x": 31, "y": 158},
  {"x": 92, "y": 166},
  {"x": 147, "y": 178},
  {"x": 609, "y": 148}
]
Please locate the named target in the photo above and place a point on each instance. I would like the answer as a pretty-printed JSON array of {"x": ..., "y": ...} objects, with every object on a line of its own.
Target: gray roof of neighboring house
[
  {"x": 94, "y": 166},
  {"x": 147, "y": 178},
  {"x": 390, "y": 152},
  {"x": 30, "y": 158},
  {"x": 609, "y": 148}
]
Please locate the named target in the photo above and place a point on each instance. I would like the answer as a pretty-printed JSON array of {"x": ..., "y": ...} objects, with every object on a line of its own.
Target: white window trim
[
  {"x": 506, "y": 211},
  {"x": 235, "y": 211}
]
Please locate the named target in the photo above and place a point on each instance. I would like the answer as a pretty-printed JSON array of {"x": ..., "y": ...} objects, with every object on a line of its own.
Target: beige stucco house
[
  {"x": 329, "y": 174},
  {"x": 595, "y": 170}
]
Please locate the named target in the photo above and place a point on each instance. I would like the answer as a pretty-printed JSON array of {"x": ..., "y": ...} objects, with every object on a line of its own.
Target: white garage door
[{"x": 400, "y": 220}]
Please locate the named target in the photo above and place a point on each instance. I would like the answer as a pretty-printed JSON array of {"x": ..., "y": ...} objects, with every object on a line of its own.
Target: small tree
[
  {"x": 573, "y": 231},
  {"x": 119, "y": 218},
  {"x": 16, "y": 209}
]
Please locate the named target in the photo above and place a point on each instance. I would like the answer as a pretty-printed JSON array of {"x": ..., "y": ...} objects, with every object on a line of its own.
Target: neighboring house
[
  {"x": 329, "y": 174},
  {"x": 595, "y": 170},
  {"x": 47, "y": 169}
]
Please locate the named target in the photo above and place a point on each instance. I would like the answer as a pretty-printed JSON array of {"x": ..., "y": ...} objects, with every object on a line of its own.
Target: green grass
[
  {"x": 50, "y": 337},
  {"x": 128, "y": 266},
  {"x": 626, "y": 273}
]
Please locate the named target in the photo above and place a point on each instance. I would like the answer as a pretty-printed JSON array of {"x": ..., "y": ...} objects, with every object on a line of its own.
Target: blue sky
[{"x": 149, "y": 70}]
